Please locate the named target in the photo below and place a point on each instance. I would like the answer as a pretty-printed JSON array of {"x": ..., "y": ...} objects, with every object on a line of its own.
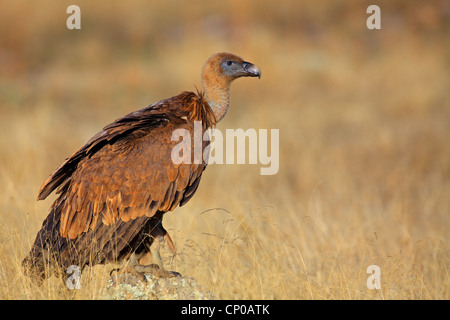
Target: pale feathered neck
[
  {"x": 217, "y": 89},
  {"x": 218, "y": 99}
]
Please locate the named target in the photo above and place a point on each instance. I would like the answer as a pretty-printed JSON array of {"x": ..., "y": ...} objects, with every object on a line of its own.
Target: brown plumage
[{"x": 114, "y": 190}]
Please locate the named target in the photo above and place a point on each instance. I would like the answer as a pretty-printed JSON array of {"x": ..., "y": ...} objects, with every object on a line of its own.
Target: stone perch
[{"x": 129, "y": 287}]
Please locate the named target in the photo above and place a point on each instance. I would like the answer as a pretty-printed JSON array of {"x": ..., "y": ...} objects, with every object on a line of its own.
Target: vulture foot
[
  {"x": 157, "y": 271},
  {"x": 137, "y": 266},
  {"x": 140, "y": 271}
]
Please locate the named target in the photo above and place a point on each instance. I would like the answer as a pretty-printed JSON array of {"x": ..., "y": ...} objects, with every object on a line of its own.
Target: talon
[
  {"x": 176, "y": 274},
  {"x": 168, "y": 274}
]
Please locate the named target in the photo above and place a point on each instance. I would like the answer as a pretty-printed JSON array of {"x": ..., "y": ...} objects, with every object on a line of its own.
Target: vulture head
[{"x": 218, "y": 73}]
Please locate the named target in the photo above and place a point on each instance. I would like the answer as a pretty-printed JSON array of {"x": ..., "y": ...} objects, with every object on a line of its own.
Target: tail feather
[
  {"x": 41, "y": 261},
  {"x": 53, "y": 254}
]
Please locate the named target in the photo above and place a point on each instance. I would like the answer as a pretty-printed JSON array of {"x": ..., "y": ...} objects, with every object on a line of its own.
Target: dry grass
[{"x": 364, "y": 139}]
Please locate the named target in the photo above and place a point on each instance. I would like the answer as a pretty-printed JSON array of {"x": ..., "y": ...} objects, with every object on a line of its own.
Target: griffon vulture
[{"x": 114, "y": 191}]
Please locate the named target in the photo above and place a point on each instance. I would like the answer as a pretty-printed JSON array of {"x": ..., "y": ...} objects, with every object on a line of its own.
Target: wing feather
[{"x": 125, "y": 171}]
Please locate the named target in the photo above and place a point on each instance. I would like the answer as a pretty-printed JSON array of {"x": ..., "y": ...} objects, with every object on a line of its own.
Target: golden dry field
[{"x": 364, "y": 150}]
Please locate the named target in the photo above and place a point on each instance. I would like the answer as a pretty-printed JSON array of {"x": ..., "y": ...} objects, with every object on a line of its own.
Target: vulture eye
[{"x": 229, "y": 63}]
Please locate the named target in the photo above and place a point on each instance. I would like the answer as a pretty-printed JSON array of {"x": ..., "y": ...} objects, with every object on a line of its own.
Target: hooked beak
[{"x": 250, "y": 70}]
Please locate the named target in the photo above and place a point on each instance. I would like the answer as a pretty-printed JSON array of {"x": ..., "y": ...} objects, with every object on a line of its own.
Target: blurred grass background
[{"x": 364, "y": 138}]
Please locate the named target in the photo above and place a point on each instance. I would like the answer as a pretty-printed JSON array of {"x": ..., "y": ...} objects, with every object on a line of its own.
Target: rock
[{"x": 130, "y": 287}]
